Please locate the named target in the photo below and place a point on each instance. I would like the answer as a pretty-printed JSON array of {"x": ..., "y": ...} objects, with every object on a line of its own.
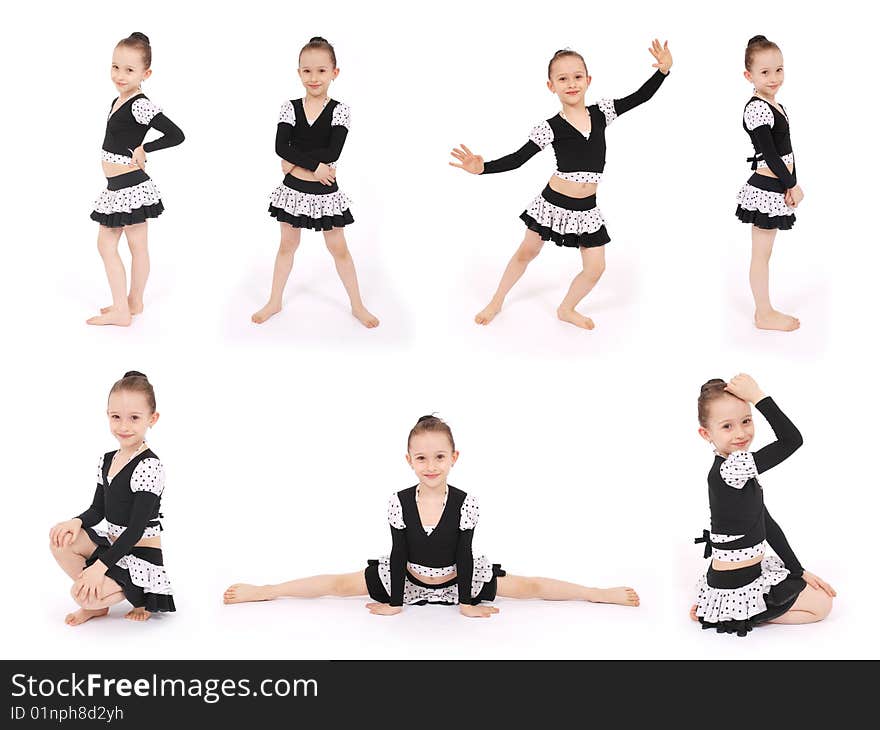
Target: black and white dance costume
[
  {"x": 132, "y": 197},
  {"x": 432, "y": 551},
  {"x": 129, "y": 502},
  {"x": 762, "y": 199},
  {"x": 580, "y": 157},
  {"x": 304, "y": 143},
  {"x": 734, "y": 601}
]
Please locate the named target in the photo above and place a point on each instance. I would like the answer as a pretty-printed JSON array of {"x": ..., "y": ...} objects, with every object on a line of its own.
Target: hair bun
[
  {"x": 140, "y": 36},
  {"x": 134, "y": 374},
  {"x": 318, "y": 39},
  {"x": 426, "y": 418},
  {"x": 757, "y": 39},
  {"x": 712, "y": 384}
]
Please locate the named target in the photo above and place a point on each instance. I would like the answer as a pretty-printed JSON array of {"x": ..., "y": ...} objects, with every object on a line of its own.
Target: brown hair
[
  {"x": 319, "y": 44},
  {"x": 711, "y": 390},
  {"x": 135, "y": 382},
  {"x": 562, "y": 53},
  {"x": 757, "y": 43},
  {"x": 433, "y": 424},
  {"x": 142, "y": 43}
]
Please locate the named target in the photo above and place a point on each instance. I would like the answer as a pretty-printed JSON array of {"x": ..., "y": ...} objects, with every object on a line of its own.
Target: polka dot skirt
[
  {"x": 449, "y": 595},
  {"x": 314, "y": 207},
  {"x": 771, "y": 204},
  {"x": 715, "y": 605},
  {"x": 562, "y": 221},
  {"x": 152, "y": 578},
  {"x": 128, "y": 200}
]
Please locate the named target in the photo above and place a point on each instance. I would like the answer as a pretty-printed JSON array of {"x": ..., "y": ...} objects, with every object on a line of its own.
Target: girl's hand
[
  {"x": 662, "y": 55},
  {"x": 820, "y": 585},
  {"x": 64, "y": 533},
  {"x": 478, "y": 611},
  {"x": 744, "y": 386},
  {"x": 467, "y": 160},
  {"x": 383, "y": 609},
  {"x": 793, "y": 196},
  {"x": 287, "y": 167},
  {"x": 88, "y": 585},
  {"x": 139, "y": 158},
  {"x": 325, "y": 174}
]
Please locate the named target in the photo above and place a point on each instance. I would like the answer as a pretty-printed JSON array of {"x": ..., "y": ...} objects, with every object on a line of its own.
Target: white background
[{"x": 283, "y": 442}]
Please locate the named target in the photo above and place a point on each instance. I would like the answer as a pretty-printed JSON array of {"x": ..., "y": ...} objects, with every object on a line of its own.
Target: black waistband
[
  {"x": 150, "y": 554},
  {"x": 416, "y": 581},
  {"x": 127, "y": 180},
  {"x": 733, "y": 578},
  {"x": 309, "y": 186},
  {"x": 770, "y": 184},
  {"x": 564, "y": 201}
]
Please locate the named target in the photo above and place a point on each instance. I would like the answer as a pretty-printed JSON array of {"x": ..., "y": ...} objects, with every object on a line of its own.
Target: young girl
[
  {"x": 125, "y": 559},
  {"x": 131, "y": 196},
  {"x": 566, "y": 211},
  {"x": 431, "y": 561},
  {"x": 744, "y": 588},
  {"x": 769, "y": 198},
  {"x": 311, "y": 134}
]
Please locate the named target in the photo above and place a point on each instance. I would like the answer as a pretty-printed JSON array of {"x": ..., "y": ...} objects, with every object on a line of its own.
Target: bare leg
[
  {"x": 529, "y": 248},
  {"x": 811, "y": 605},
  {"x": 72, "y": 558},
  {"x": 345, "y": 584},
  {"x": 108, "y": 245},
  {"x": 594, "y": 266},
  {"x": 283, "y": 265},
  {"x": 335, "y": 241},
  {"x": 759, "y": 277},
  {"x": 549, "y": 589},
  {"x": 109, "y": 594}
]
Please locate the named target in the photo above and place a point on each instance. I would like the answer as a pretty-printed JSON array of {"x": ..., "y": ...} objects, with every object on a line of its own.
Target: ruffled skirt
[
  {"x": 141, "y": 574},
  {"x": 761, "y": 202},
  {"x": 308, "y": 204},
  {"x": 735, "y": 601},
  {"x": 129, "y": 199},
  {"x": 484, "y": 584},
  {"x": 572, "y": 222}
]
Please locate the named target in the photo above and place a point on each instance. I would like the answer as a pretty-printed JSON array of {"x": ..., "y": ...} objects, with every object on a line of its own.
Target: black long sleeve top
[
  {"x": 769, "y": 130},
  {"x": 128, "y": 125},
  {"x": 306, "y": 144}
]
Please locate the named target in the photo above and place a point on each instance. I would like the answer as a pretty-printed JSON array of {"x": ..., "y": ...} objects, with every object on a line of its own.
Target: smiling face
[
  {"x": 766, "y": 72},
  {"x": 127, "y": 70},
  {"x": 569, "y": 79},
  {"x": 316, "y": 71},
  {"x": 130, "y": 416},
  {"x": 431, "y": 457},
  {"x": 729, "y": 425}
]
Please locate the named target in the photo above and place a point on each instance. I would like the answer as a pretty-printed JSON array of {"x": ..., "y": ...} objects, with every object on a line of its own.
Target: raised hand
[
  {"x": 467, "y": 160},
  {"x": 744, "y": 386},
  {"x": 383, "y": 609},
  {"x": 478, "y": 611},
  {"x": 662, "y": 55}
]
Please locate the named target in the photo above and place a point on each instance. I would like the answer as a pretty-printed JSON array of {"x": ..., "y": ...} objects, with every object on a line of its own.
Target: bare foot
[
  {"x": 114, "y": 316},
  {"x": 265, "y": 313},
  {"x": 133, "y": 307},
  {"x": 774, "y": 320},
  {"x": 622, "y": 596},
  {"x": 693, "y": 613},
  {"x": 244, "y": 592},
  {"x": 80, "y": 617},
  {"x": 575, "y": 318},
  {"x": 488, "y": 314},
  {"x": 138, "y": 614},
  {"x": 364, "y": 317}
]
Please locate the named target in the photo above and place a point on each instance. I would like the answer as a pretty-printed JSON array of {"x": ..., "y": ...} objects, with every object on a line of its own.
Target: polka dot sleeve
[
  {"x": 341, "y": 116},
  {"x": 143, "y": 110},
  {"x": 541, "y": 134},
  {"x": 738, "y": 468},
  {"x": 758, "y": 114},
  {"x": 470, "y": 513},
  {"x": 287, "y": 115},
  {"x": 395, "y": 513},
  {"x": 606, "y": 106},
  {"x": 101, "y": 469},
  {"x": 148, "y": 476}
]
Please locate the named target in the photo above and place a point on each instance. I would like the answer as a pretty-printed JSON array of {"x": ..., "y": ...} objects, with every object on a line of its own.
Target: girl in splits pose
[
  {"x": 744, "y": 587},
  {"x": 565, "y": 212},
  {"x": 311, "y": 133},
  {"x": 131, "y": 197},
  {"x": 123, "y": 560},
  {"x": 431, "y": 561}
]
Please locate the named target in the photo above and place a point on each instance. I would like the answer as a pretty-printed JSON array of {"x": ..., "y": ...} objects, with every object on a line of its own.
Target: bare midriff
[
  {"x": 725, "y": 565},
  {"x": 767, "y": 172},
  {"x": 572, "y": 189},
  {"x": 436, "y": 580},
  {"x": 114, "y": 169},
  {"x": 153, "y": 542}
]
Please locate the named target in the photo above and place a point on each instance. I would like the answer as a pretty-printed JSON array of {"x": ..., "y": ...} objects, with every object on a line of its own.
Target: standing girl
[
  {"x": 125, "y": 559},
  {"x": 431, "y": 560},
  {"x": 566, "y": 211},
  {"x": 311, "y": 134},
  {"x": 131, "y": 196},
  {"x": 769, "y": 198},
  {"x": 744, "y": 588}
]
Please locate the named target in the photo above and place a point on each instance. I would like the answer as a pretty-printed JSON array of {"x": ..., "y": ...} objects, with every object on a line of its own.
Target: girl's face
[
  {"x": 127, "y": 70},
  {"x": 130, "y": 417},
  {"x": 730, "y": 425},
  {"x": 569, "y": 80},
  {"x": 766, "y": 73},
  {"x": 316, "y": 71},
  {"x": 431, "y": 457}
]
